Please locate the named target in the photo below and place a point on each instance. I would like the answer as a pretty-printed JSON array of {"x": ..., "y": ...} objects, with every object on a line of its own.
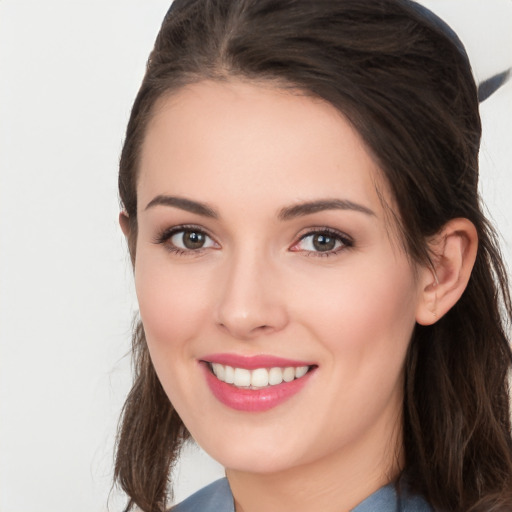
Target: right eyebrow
[{"x": 183, "y": 204}]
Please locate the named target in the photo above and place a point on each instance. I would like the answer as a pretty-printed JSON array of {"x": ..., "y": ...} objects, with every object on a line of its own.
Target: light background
[{"x": 69, "y": 71}]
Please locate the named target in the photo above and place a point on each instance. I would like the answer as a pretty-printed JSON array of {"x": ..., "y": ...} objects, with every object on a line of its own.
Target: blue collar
[{"x": 217, "y": 497}]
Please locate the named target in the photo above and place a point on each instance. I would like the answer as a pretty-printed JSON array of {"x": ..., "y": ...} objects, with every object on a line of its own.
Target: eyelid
[
  {"x": 164, "y": 236},
  {"x": 346, "y": 241}
]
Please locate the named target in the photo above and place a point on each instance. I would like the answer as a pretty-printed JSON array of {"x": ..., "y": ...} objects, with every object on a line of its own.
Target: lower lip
[{"x": 253, "y": 400}]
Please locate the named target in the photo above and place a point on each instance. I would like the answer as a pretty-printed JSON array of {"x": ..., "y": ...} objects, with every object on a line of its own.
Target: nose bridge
[{"x": 251, "y": 302}]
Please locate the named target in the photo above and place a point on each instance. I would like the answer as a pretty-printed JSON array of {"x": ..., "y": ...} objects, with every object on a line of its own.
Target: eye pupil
[
  {"x": 322, "y": 242},
  {"x": 193, "y": 239}
]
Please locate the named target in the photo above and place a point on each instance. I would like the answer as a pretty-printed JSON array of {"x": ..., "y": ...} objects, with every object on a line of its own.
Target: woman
[{"x": 322, "y": 301}]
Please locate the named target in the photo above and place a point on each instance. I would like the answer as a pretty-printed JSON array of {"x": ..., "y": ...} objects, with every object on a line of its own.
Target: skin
[{"x": 259, "y": 286}]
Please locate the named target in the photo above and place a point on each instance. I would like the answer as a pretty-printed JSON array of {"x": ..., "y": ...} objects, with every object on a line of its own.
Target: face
[{"x": 277, "y": 304}]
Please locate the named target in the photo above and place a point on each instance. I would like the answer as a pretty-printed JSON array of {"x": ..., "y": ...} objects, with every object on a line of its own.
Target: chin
[{"x": 255, "y": 461}]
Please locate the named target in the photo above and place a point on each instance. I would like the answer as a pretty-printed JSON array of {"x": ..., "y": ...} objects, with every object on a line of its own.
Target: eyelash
[
  {"x": 344, "y": 240},
  {"x": 165, "y": 236}
]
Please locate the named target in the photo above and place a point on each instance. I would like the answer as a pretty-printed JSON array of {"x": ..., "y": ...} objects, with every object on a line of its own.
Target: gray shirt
[{"x": 217, "y": 497}]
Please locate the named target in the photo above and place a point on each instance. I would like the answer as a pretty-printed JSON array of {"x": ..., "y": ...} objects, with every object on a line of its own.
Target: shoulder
[
  {"x": 215, "y": 497},
  {"x": 414, "y": 503}
]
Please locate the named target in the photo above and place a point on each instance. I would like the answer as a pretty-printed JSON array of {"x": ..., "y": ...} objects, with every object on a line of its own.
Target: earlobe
[
  {"x": 453, "y": 252},
  {"x": 124, "y": 222}
]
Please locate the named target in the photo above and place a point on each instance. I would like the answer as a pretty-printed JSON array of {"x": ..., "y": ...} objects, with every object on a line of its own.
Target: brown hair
[{"x": 407, "y": 88}]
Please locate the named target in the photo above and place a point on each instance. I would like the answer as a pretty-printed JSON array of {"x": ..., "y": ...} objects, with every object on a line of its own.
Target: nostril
[
  {"x": 248, "y": 308},
  {"x": 245, "y": 329}
]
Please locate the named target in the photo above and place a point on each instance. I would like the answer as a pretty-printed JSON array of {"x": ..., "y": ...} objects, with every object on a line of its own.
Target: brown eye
[
  {"x": 193, "y": 239},
  {"x": 323, "y": 242},
  {"x": 190, "y": 240}
]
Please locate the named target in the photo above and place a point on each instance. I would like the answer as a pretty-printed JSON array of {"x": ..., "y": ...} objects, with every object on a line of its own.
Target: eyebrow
[
  {"x": 183, "y": 204},
  {"x": 287, "y": 213},
  {"x": 310, "y": 207}
]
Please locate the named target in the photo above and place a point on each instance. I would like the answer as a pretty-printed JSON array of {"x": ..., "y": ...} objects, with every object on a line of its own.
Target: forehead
[{"x": 257, "y": 141}]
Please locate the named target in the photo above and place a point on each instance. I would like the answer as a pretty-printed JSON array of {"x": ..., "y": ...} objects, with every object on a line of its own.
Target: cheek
[
  {"x": 173, "y": 309},
  {"x": 364, "y": 320},
  {"x": 367, "y": 313},
  {"x": 172, "y": 302}
]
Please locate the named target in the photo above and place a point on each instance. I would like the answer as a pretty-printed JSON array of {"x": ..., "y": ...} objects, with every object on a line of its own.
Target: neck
[{"x": 335, "y": 483}]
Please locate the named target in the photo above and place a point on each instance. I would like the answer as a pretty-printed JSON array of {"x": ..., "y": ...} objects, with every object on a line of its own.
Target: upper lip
[{"x": 253, "y": 362}]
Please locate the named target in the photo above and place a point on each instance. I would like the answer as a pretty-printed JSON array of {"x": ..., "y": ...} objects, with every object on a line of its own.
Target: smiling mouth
[{"x": 257, "y": 378}]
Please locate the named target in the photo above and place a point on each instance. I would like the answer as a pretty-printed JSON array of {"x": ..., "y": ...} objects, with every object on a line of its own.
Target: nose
[{"x": 251, "y": 298}]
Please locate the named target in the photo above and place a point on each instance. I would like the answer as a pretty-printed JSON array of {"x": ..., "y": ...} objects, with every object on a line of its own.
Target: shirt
[{"x": 217, "y": 497}]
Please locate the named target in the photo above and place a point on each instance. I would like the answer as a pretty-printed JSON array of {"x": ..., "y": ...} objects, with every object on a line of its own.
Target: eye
[
  {"x": 191, "y": 240},
  {"x": 324, "y": 242},
  {"x": 182, "y": 239}
]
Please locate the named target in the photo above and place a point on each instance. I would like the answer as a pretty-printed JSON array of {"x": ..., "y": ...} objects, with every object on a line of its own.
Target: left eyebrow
[{"x": 310, "y": 207}]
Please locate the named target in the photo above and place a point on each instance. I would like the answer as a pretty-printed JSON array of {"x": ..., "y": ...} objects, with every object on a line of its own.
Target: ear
[
  {"x": 453, "y": 252},
  {"x": 124, "y": 222}
]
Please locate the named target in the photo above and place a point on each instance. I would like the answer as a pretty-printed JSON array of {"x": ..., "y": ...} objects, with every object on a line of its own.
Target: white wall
[{"x": 69, "y": 70}]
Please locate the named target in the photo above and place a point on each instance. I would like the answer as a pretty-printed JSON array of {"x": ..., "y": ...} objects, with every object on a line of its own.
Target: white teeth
[
  {"x": 259, "y": 377},
  {"x": 301, "y": 371},
  {"x": 289, "y": 374},
  {"x": 230, "y": 375},
  {"x": 275, "y": 376},
  {"x": 219, "y": 371},
  {"x": 242, "y": 377}
]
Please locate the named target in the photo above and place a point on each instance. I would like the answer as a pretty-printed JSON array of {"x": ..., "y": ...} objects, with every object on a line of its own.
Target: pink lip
[
  {"x": 253, "y": 362},
  {"x": 254, "y": 400}
]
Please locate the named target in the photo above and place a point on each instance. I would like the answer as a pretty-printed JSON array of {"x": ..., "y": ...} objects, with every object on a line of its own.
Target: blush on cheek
[
  {"x": 363, "y": 312},
  {"x": 166, "y": 320},
  {"x": 173, "y": 304}
]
